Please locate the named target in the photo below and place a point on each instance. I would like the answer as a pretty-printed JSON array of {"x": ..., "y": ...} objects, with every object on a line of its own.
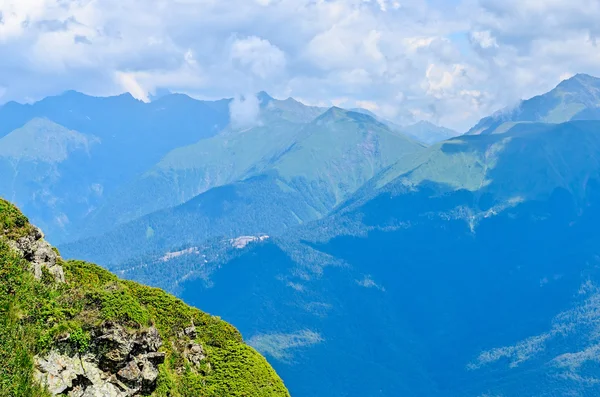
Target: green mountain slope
[
  {"x": 577, "y": 98},
  {"x": 191, "y": 170},
  {"x": 183, "y": 173},
  {"x": 70, "y": 327},
  {"x": 342, "y": 150},
  {"x": 325, "y": 163},
  {"x": 527, "y": 162},
  {"x": 42, "y": 140}
]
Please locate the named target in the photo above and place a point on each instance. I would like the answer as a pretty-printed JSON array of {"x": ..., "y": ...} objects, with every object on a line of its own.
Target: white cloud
[
  {"x": 131, "y": 85},
  {"x": 244, "y": 111},
  {"x": 261, "y": 57},
  {"x": 485, "y": 53},
  {"x": 484, "y": 39},
  {"x": 369, "y": 105}
]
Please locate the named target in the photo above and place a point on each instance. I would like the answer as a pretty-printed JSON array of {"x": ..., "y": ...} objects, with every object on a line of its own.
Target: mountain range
[
  {"x": 357, "y": 258},
  {"x": 79, "y": 165},
  {"x": 573, "y": 99}
]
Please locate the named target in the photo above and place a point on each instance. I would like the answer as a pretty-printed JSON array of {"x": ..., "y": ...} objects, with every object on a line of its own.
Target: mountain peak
[
  {"x": 575, "y": 98},
  {"x": 264, "y": 98},
  {"x": 160, "y": 93},
  {"x": 584, "y": 77},
  {"x": 580, "y": 81},
  {"x": 424, "y": 123},
  {"x": 428, "y": 132},
  {"x": 71, "y": 93},
  {"x": 334, "y": 113}
]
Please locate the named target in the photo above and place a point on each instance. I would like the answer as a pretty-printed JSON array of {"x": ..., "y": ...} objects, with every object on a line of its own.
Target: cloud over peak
[{"x": 450, "y": 61}]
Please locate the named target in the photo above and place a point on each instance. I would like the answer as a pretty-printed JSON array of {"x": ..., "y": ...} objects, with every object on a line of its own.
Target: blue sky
[{"x": 446, "y": 61}]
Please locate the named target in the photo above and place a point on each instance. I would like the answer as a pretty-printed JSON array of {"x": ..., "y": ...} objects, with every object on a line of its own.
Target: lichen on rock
[{"x": 118, "y": 363}]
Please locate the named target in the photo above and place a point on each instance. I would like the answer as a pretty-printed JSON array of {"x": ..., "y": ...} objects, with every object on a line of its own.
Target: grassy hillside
[
  {"x": 36, "y": 316},
  {"x": 527, "y": 162},
  {"x": 342, "y": 150},
  {"x": 191, "y": 170}
]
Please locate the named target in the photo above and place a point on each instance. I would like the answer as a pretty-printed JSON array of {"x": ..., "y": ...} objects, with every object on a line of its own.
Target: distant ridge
[{"x": 576, "y": 98}]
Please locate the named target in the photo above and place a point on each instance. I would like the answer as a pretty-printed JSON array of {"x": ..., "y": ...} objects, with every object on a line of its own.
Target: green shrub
[{"x": 34, "y": 315}]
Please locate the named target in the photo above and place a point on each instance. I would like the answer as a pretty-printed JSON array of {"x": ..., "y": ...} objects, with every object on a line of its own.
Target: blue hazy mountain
[
  {"x": 289, "y": 175},
  {"x": 465, "y": 268},
  {"x": 421, "y": 131},
  {"x": 577, "y": 98},
  {"x": 471, "y": 273},
  {"x": 63, "y": 155},
  {"x": 464, "y": 292},
  {"x": 429, "y": 133}
]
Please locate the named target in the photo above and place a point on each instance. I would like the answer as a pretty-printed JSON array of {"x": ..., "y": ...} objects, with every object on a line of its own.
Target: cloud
[
  {"x": 130, "y": 84},
  {"x": 244, "y": 111},
  {"x": 485, "y": 54},
  {"x": 484, "y": 39},
  {"x": 258, "y": 55}
]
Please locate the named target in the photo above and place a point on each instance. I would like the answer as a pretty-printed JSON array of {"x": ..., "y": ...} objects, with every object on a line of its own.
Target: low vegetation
[{"x": 34, "y": 315}]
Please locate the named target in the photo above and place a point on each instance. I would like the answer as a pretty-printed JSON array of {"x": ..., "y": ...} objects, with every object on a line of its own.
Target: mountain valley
[{"x": 359, "y": 257}]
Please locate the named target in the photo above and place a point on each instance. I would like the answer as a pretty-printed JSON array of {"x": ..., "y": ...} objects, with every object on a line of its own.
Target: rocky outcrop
[
  {"x": 193, "y": 352},
  {"x": 118, "y": 364},
  {"x": 39, "y": 253}
]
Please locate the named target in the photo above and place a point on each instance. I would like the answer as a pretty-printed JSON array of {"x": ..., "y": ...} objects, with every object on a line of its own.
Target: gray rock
[
  {"x": 194, "y": 353},
  {"x": 190, "y": 332},
  {"x": 40, "y": 255},
  {"x": 57, "y": 372},
  {"x": 148, "y": 340},
  {"x": 74, "y": 376},
  {"x": 115, "y": 345},
  {"x": 104, "y": 390},
  {"x": 155, "y": 358},
  {"x": 149, "y": 376},
  {"x": 130, "y": 374},
  {"x": 119, "y": 364}
]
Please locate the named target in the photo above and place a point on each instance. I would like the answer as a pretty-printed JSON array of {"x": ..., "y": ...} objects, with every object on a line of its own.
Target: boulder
[
  {"x": 114, "y": 345},
  {"x": 148, "y": 340},
  {"x": 74, "y": 376},
  {"x": 194, "y": 353},
  {"x": 130, "y": 374},
  {"x": 190, "y": 332}
]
